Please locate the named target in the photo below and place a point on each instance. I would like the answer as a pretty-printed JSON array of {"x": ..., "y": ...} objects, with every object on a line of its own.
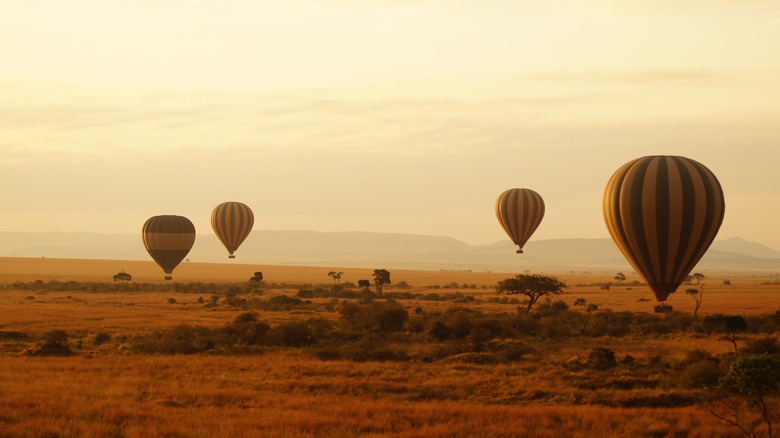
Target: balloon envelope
[
  {"x": 663, "y": 212},
  {"x": 168, "y": 239},
  {"x": 232, "y": 222},
  {"x": 519, "y": 211}
]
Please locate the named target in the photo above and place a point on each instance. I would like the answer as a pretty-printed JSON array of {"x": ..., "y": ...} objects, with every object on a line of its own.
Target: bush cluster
[
  {"x": 461, "y": 330},
  {"x": 54, "y": 343},
  {"x": 244, "y": 334},
  {"x": 366, "y": 295}
]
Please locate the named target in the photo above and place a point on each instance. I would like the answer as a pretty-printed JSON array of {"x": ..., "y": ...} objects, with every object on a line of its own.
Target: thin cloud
[
  {"x": 639, "y": 77},
  {"x": 286, "y": 125},
  {"x": 665, "y": 7}
]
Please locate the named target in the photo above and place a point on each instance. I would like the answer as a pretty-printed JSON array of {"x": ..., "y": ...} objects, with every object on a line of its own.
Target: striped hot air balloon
[
  {"x": 168, "y": 239},
  {"x": 663, "y": 212},
  {"x": 232, "y": 222},
  {"x": 520, "y": 211}
]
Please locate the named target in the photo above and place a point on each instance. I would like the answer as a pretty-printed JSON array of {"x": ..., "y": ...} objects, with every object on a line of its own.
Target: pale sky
[{"x": 393, "y": 116}]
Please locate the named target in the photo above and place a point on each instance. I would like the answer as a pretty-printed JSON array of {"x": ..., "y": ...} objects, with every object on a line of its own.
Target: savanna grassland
[{"x": 439, "y": 353}]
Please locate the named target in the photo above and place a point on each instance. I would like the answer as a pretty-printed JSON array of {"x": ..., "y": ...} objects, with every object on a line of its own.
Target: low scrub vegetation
[{"x": 405, "y": 347}]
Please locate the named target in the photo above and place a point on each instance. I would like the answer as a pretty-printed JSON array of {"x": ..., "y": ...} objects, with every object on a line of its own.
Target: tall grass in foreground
[
  {"x": 451, "y": 368},
  {"x": 285, "y": 394}
]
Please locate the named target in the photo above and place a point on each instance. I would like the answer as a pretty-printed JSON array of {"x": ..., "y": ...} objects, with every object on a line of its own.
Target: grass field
[{"x": 108, "y": 390}]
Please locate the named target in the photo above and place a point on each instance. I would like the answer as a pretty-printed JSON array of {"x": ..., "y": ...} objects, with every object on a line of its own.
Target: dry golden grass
[
  {"x": 289, "y": 393},
  {"x": 749, "y": 293},
  {"x": 30, "y": 269}
]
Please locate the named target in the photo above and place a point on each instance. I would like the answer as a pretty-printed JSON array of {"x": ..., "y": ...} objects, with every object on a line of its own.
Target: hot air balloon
[
  {"x": 168, "y": 239},
  {"x": 663, "y": 212},
  {"x": 520, "y": 211},
  {"x": 232, "y": 222}
]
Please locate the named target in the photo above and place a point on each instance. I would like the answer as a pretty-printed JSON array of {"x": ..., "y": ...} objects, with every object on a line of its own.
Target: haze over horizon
[{"x": 393, "y": 117}]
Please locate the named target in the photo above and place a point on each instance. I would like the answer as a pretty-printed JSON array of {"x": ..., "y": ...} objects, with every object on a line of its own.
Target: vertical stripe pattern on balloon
[
  {"x": 519, "y": 211},
  {"x": 168, "y": 239},
  {"x": 663, "y": 212},
  {"x": 232, "y": 222}
]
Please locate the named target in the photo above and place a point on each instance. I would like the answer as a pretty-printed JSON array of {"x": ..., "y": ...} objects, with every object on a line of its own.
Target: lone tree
[
  {"x": 381, "y": 278},
  {"x": 620, "y": 278},
  {"x": 698, "y": 296},
  {"x": 532, "y": 286},
  {"x": 122, "y": 277},
  {"x": 751, "y": 380},
  {"x": 729, "y": 325},
  {"x": 336, "y": 276},
  {"x": 257, "y": 278},
  {"x": 698, "y": 277},
  {"x": 589, "y": 309}
]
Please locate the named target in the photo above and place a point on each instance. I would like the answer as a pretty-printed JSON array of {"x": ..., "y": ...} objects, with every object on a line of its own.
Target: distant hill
[
  {"x": 365, "y": 249},
  {"x": 738, "y": 245}
]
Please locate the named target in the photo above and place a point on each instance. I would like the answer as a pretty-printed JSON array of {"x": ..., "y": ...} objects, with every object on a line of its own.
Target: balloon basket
[
  {"x": 168, "y": 277},
  {"x": 662, "y": 308},
  {"x": 519, "y": 251},
  {"x": 231, "y": 256}
]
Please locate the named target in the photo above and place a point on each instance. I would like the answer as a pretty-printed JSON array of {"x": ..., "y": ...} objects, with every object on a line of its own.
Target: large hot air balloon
[
  {"x": 232, "y": 222},
  {"x": 663, "y": 212},
  {"x": 520, "y": 211},
  {"x": 168, "y": 239}
]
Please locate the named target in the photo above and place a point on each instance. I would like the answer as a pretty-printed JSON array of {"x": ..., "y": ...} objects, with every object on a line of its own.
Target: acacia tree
[
  {"x": 254, "y": 282},
  {"x": 381, "y": 278},
  {"x": 589, "y": 309},
  {"x": 620, "y": 278},
  {"x": 257, "y": 278},
  {"x": 336, "y": 276},
  {"x": 751, "y": 380},
  {"x": 122, "y": 276},
  {"x": 698, "y": 296},
  {"x": 729, "y": 325},
  {"x": 698, "y": 277},
  {"x": 532, "y": 286},
  {"x": 364, "y": 284}
]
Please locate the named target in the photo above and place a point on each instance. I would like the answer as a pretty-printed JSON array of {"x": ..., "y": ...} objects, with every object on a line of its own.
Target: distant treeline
[
  {"x": 347, "y": 293},
  {"x": 88, "y": 286},
  {"x": 305, "y": 290}
]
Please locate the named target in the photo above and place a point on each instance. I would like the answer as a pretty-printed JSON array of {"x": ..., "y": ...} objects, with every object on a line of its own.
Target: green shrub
[
  {"x": 279, "y": 303},
  {"x": 601, "y": 359},
  {"x": 764, "y": 345},
  {"x": 375, "y": 316},
  {"x": 11, "y": 335},
  {"x": 514, "y": 352},
  {"x": 55, "y": 343},
  {"x": 522, "y": 325},
  {"x": 360, "y": 352},
  {"x": 247, "y": 330},
  {"x": 101, "y": 338},
  {"x": 609, "y": 323},
  {"x": 439, "y": 331},
  {"x": 700, "y": 374},
  {"x": 182, "y": 339},
  {"x": 291, "y": 334}
]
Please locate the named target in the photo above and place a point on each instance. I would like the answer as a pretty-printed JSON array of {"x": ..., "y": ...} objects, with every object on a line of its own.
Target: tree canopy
[
  {"x": 122, "y": 276},
  {"x": 533, "y": 286},
  {"x": 336, "y": 276},
  {"x": 381, "y": 278}
]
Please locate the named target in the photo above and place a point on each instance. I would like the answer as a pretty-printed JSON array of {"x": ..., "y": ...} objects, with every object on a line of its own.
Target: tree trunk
[
  {"x": 531, "y": 302},
  {"x": 584, "y": 326}
]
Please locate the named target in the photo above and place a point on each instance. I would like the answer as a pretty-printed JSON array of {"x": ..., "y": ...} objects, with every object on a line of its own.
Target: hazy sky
[{"x": 385, "y": 115}]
